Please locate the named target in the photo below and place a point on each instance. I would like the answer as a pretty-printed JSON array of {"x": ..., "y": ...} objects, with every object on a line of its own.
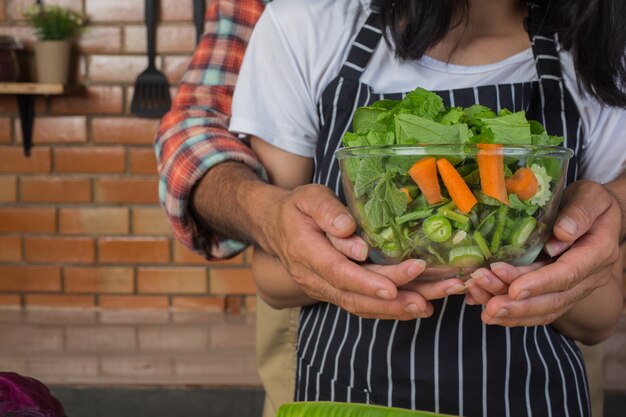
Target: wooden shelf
[
  {"x": 37, "y": 88},
  {"x": 26, "y": 94}
]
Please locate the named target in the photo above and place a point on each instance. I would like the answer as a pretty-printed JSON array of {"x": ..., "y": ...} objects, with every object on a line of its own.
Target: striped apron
[{"x": 451, "y": 362}]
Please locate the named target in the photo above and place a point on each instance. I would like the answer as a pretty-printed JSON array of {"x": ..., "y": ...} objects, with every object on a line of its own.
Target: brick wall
[{"x": 80, "y": 224}]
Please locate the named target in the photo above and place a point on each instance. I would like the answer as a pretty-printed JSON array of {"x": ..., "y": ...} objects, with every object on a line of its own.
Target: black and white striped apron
[{"x": 451, "y": 362}]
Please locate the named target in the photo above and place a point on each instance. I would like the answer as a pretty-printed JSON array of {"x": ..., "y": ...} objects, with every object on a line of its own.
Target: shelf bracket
[{"x": 26, "y": 104}]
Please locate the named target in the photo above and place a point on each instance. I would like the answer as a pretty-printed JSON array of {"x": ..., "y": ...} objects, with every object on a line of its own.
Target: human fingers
[
  {"x": 323, "y": 206},
  {"x": 353, "y": 247},
  {"x": 483, "y": 285},
  {"x": 293, "y": 233},
  {"x": 583, "y": 202},
  {"x": 407, "y": 305},
  {"x": 508, "y": 273},
  {"x": 434, "y": 290},
  {"x": 595, "y": 250},
  {"x": 536, "y": 311}
]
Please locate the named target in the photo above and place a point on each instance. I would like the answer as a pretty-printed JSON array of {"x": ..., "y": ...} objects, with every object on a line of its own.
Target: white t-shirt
[{"x": 298, "y": 46}]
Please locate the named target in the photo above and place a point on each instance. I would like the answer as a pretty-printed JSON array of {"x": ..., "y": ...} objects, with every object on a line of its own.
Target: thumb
[
  {"x": 323, "y": 206},
  {"x": 582, "y": 205}
]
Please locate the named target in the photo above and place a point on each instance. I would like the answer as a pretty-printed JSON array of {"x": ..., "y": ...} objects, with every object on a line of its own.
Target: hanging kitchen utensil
[
  {"x": 152, "y": 90},
  {"x": 198, "y": 18}
]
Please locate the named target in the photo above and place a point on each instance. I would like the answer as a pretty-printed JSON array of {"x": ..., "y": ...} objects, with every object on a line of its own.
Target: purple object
[{"x": 22, "y": 396}]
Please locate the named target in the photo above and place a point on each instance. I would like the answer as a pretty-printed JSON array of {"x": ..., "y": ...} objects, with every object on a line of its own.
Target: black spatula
[
  {"x": 199, "y": 8},
  {"x": 152, "y": 90}
]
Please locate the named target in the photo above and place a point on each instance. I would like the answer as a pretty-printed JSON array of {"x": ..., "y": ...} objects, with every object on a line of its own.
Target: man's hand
[
  {"x": 312, "y": 235},
  {"x": 589, "y": 224}
]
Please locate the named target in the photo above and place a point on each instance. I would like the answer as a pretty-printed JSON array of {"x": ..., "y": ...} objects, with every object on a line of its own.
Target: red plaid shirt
[{"x": 193, "y": 136}]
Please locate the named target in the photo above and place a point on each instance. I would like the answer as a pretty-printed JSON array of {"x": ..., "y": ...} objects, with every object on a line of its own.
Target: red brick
[
  {"x": 137, "y": 368},
  {"x": 96, "y": 100},
  {"x": 5, "y": 130},
  {"x": 60, "y": 300},
  {"x": 8, "y": 189},
  {"x": 173, "y": 339},
  {"x": 21, "y": 6},
  {"x": 127, "y": 190},
  {"x": 93, "y": 220},
  {"x": 27, "y": 219},
  {"x": 172, "y": 280},
  {"x": 13, "y": 160},
  {"x": 98, "y": 280},
  {"x": 30, "y": 278},
  {"x": 142, "y": 161},
  {"x": 102, "y": 338},
  {"x": 128, "y": 131},
  {"x": 134, "y": 250},
  {"x": 100, "y": 40},
  {"x": 150, "y": 221},
  {"x": 171, "y": 10},
  {"x": 133, "y": 301},
  {"x": 210, "y": 304},
  {"x": 232, "y": 281},
  {"x": 234, "y": 304},
  {"x": 170, "y": 38},
  {"x": 175, "y": 66},
  {"x": 10, "y": 248},
  {"x": 22, "y": 339},
  {"x": 55, "y": 190},
  {"x": 120, "y": 68},
  {"x": 64, "y": 129},
  {"x": 2, "y": 11},
  {"x": 55, "y": 249},
  {"x": 89, "y": 159},
  {"x": 114, "y": 10},
  {"x": 10, "y": 300},
  {"x": 232, "y": 337}
]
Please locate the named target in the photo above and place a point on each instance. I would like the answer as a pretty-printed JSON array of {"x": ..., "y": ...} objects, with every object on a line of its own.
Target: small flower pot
[{"x": 52, "y": 61}]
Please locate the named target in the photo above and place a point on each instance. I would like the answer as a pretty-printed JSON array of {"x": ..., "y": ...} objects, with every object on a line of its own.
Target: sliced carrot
[
  {"x": 491, "y": 170},
  {"x": 523, "y": 183},
  {"x": 458, "y": 190},
  {"x": 424, "y": 173},
  {"x": 408, "y": 194}
]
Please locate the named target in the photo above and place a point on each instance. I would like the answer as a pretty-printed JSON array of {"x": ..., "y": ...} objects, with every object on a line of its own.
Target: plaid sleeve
[{"x": 193, "y": 136}]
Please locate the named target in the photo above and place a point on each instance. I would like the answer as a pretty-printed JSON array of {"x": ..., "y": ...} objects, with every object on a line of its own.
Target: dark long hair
[{"x": 593, "y": 31}]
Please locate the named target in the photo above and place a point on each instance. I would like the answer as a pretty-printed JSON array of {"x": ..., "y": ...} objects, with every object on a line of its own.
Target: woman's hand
[{"x": 588, "y": 229}]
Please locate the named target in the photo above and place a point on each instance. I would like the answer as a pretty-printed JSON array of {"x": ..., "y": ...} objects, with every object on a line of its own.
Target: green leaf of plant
[
  {"x": 423, "y": 103},
  {"x": 516, "y": 204},
  {"x": 370, "y": 172},
  {"x": 411, "y": 129},
  {"x": 451, "y": 116},
  {"x": 336, "y": 409},
  {"x": 510, "y": 129},
  {"x": 366, "y": 119}
]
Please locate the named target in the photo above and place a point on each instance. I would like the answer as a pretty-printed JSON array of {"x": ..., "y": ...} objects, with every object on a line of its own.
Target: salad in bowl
[{"x": 457, "y": 187}]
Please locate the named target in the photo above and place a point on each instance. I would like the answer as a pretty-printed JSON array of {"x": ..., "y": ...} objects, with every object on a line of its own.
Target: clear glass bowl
[{"x": 400, "y": 222}]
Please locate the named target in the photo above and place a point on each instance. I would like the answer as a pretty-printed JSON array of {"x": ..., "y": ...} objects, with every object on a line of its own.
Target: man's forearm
[
  {"x": 617, "y": 188},
  {"x": 232, "y": 200}
]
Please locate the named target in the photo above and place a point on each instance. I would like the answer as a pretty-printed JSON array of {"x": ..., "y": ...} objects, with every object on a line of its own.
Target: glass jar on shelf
[{"x": 9, "y": 66}]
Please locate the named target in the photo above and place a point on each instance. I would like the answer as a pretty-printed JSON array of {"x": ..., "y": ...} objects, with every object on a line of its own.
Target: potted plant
[{"x": 55, "y": 27}]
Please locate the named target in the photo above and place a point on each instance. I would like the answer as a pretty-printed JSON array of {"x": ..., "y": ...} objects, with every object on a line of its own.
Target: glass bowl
[{"x": 458, "y": 207}]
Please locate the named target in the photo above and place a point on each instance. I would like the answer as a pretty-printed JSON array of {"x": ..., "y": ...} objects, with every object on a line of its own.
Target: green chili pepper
[
  {"x": 437, "y": 228},
  {"x": 482, "y": 244},
  {"x": 466, "y": 256},
  {"x": 496, "y": 240},
  {"x": 522, "y": 231},
  {"x": 453, "y": 215}
]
